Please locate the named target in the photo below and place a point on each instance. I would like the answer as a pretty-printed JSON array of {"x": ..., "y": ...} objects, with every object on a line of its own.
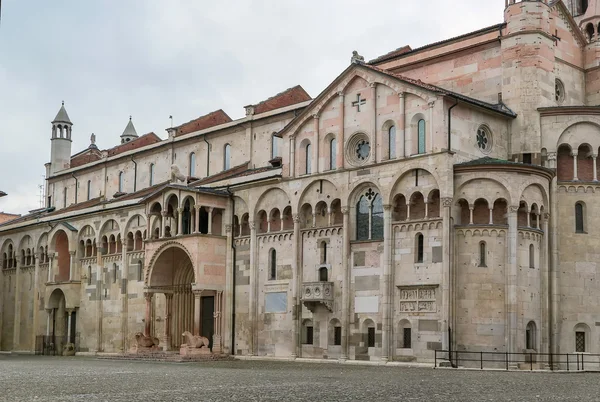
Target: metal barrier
[
  {"x": 523, "y": 361},
  {"x": 52, "y": 345}
]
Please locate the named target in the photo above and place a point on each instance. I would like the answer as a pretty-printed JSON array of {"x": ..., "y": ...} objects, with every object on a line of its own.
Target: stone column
[
  {"x": 69, "y": 313},
  {"x": 71, "y": 270},
  {"x": 292, "y": 156},
  {"x": 315, "y": 146},
  {"x": 374, "y": 138},
  {"x": 50, "y": 267},
  {"x": 430, "y": 125},
  {"x": 425, "y": 201},
  {"x": 99, "y": 299},
  {"x": 17, "y": 319},
  {"x": 401, "y": 138},
  {"x": 545, "y": 330},
  {"x": 340, "y": 140},
  {"x": 552, "y": 160},
  {"x": 595, "y": 168},
  {"x": 297, "y": 288},
  {"x": 511, "y": 281},
  {"x": 314, "y": 219},
  {"x": 216, "y": 344},
  {"x": 209, "y": 210},
  {"x": 197, "y": 218},
  {"x": 471, "y": 208},
  {"x": 197, "y": 307},
  {"x": 163, "y": 224},
  {"x": 329, "y": 216},
  {"x": 179, "y": 221},
  {"x": 253, "y": 305},
  {"x": 407, "y": 210},
  {"x": 124, "y": 298},
  {"x": 386, "y": 283},
  {"x": 36, "y": 290},
  {"x": 537, "y": 221},
  {"x": 168, "y": 315},
  {"x": 229, "y": 273},
  {"x": 346, "y": 285},
  {"x": 148, "y": 319},
  {"x": 447, "y": 288},
  {"x": 49, "y": 321},
  {"x": 575, "y": 173},
  {"x": 528, "y": 218},
  {"x": 491, "y": 216}
]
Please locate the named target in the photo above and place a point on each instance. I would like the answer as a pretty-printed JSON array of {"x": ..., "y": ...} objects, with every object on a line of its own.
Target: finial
[
  {"x": 93, "y": 139},
  {"x": 63, "y": 103},
  {"x": 129, "y": 117}
]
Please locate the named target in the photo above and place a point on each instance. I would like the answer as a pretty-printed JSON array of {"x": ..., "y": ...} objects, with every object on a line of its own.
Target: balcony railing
[{"x": 317, "y": 293}]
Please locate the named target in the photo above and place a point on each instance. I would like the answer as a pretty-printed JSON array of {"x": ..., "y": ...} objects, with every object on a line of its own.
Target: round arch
[{"x": 154, "y": 276}]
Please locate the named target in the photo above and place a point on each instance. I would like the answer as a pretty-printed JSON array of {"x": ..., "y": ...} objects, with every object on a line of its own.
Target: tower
[
  {"x": 60, "y": 149},
  {"x": 129, "y": 134}
]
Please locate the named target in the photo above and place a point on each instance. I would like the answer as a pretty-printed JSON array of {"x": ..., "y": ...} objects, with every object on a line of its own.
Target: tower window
[
  {"x": 419, "y": 248},
  {"x": 406, "y": 337},
  {"x": 579, "y": 218},
  {"x": 332, "y": 154},
  {"x": 531, "y": 256},
  {"x": 580, "y": 341},
  {"x": 152, "y": 174},
  {"x": 89, "y": 190},
  {"x": 65, "y": 197},
  {"x": 421, "y": 137},
  {"x": 308, "y": 158},
  {"x": 192, "y": 169},
  {"x": 392, "y": 142},
  {"x": 482, "y": 254},
  {"x": 120, "y": 182},
  {"x": 337, "y": 335},
  {"x": 272, "y": 265},
  {"x": 559, "y": 91},
  {"x": 371, "y": 337},
  {"x": 227, "y": 157}
]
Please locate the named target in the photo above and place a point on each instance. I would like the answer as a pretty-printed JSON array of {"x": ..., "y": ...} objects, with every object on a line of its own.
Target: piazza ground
[{"x": 28, "y": 378}]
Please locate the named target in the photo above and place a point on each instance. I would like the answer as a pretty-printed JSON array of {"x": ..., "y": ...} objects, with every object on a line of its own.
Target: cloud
[{"x": 152, "y": 59}]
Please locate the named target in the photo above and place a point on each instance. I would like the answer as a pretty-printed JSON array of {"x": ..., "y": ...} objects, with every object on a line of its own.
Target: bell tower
[
  {"x": 60, "y": 148},
  {"x": 129, "y": 134}
]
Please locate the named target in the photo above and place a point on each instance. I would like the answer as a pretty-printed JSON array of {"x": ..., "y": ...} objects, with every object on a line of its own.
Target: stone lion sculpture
[
  {"x": 146, "y": 341},
  {"x": 176, "y": 174},
  {"x": 195, "y": 341}
]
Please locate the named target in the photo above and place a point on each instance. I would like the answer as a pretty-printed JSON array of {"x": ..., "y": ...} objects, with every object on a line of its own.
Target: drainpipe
[
  {"x": 450, "y": 125},
  {"x": 233, "y": 263},
  {"x": 76, "y": 185},
  {"x": 134, "y": 174},
  {"x": 207, "y": 156}
]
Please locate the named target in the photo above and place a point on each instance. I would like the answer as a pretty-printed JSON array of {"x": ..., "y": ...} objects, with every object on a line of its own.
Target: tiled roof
[
  {"x": 290, "y": 96},
  {"x": 142, "y": 193},
  {"x": 139, "y": 142},
  {"x": 212, "y": 119},
  {"x": 486, "y": 160},
  {"x": 86, "y": 156},
  {"x": 237, "y": 171},
  {"x": 396, "y": 53}
]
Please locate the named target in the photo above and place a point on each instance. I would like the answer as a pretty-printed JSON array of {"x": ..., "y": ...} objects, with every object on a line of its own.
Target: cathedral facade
[{"x": 431, "y": 198}]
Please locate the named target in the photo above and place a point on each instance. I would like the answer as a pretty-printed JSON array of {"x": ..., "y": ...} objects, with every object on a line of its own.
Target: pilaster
[{"x": 346, "y": 284}]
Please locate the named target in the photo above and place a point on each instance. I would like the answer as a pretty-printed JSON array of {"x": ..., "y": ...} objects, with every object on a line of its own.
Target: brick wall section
[
  {"x": 142, "y": 141},
  {"x": 212, "y": 119},
  {"x": 499, "y": 215},
  {"x": 564, "y": 164},
  {"x": 417, "y": 207},
  {"x": 481, "y": 213},
  {"x": 585, "y": 166},
  {"x": 288, "y": 97}
]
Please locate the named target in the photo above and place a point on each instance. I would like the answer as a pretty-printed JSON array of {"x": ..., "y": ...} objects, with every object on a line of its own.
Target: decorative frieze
[{"x": 418, "y": 299}]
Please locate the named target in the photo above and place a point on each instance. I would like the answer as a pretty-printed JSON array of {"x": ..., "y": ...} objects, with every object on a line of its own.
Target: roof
[
  {"x": 2, "y": 193},
  {"x": 398, "y": 53},
  {"x": 212, "y": 119},
  {"x": 139, "y": 142},
  {"x": 84, "y": 157},
  {"x": 290, "y": 96},
  {"x": 488, "y": 161},
  {"x": 226, "y": 174},
  {"x": 62, "y": 116},
  {"x": 129, "y": 130}
]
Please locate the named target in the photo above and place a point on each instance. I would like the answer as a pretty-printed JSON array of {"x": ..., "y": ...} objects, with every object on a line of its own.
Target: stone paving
[{"x": 31, "y": 378}]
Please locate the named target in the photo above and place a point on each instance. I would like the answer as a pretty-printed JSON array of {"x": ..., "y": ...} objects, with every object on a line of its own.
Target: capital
[
  {"x": 447, "y": 202},
  {"x": 372, "y": 84},
  {"x": 315, "y": 116},
  {"x": 228, "y": 228},
  {"x": 574, "y": 153},
  {"x": 387, "y": 207},
  {"x": 252, "y": 225},
  {"x": 72, "y": 252},
  {"x": 513, "y": 209},
  {"x": 551, "y": 156},
  {"x": 341, "y": 94},
  {"x": 148, "y": 296},
  {"x": 179, "y": 210},
  {"x": 345, "y": 210},
  {"x": 164, "y": 214},
  {"x": 401, "y": 95},
  {"x": 546, "y": 216},
  {"x": 296, "y": 218},
  {"x": 431, "y": 104}
]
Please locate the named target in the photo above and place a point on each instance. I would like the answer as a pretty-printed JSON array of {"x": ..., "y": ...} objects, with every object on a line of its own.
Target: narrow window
[
  {"x": 273, "y": 265},
  {"x": 120, "y": 182},
  {"x": 309, "y": 335},
  {"x": 89, "y": 190},
  {"x": 580, "y": 341},
  {"x": 227, "y": 157},
  {"x": 140, "y": 273},
  {"x": 323, "y": 252},
  {"x": 531, "y": 256},
  {"x": 377, "y": 218},
  {"x": 419, "y": 251},
  {"x": 371, "y": 337},
  {"x": 192, "y": 169},
  {"x": 308, "y": 159},
  {"x": 332, "y": 154},
  {"x": 362, "y": 219},
  {"x": 65, "y": 197},
  {"x": 392, "y": 142},
  {"x": 421, "y": 137},
  {"x": 482, "y": 254},
  {"x": 337, "y": 336},
  {"x": 151, "y": 174},
  {"x": 89, "y": 275},
  {"x": 323, "y": 274},
  {"x": 274, "y": 146},
  {"x": 114, "y": 273},
  {"x": 530, "y": 336},
  {"x": 579, "y": 227},
  {"x": 406, "y": 338}
]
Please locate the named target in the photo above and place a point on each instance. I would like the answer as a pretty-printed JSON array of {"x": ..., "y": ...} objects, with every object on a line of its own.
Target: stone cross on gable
[{"x": 358, "y": 102}]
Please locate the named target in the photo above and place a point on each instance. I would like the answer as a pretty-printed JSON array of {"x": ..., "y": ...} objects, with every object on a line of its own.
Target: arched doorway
[
  {"x": 61, "y": 321},
  {"x": 172, "y": 274}
]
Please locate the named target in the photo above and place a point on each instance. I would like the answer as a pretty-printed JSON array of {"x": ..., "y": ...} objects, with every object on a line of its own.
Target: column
[
  {"x": 595, "y": 168},
  {"x": 209, "y": 210},
  {"x": 528, "y": 218},
  {"x": 471, "y": 208},
  {"x": 36, "y": 289},
  {"x": 315, "y": 145},
  {"x": 551, "y": 160},
  {"x": 216, "y": 345},
  {"x": 430, "y": 126},
  {"x": 314, "y": 219},
  {"x": 50, "y": 267},
  {"x": 511, "y": 272},
  {"x": 99, "y": 298},
  {"x": 346, "y": 284},
  {"x": 269, "y": 220},
  {"x": 71, "y": 270},
  {"x": 17, "y": 319},
  {"x": 297, "y": 289},
  {"x": 228, "y": 298},
  {"x": 163, "y": 224},
  {"x": 374, "y": 141},
  {"x": 253, "y": 316},
  {"x": 407, "y": 210},
  {"x": 425, "y": 200},
  {"x": 574, "y": 155},
  {"x": 49, "y": 321},
  {"x": 197, "y": 218},
  {"x": 447, "y": 288},
  {"x": 124, "y": 298},
  {"x": 401, "y": 131},
  {"x": 329, "y": 216},
  {"x": 197, "y": 306},
  {"x": 491, "y": 216},
  {"x": 385, "y": 283},
  {"x": 148, "y": 319},
  {"x": 179, "y": 221},
  {"x": 340, "y": 140},
  {"x": 537, "y": 221},
  {"x": 69, "y": 312},
  {"x": 546, "y": 289},
  {"x": 292, "y": 156},
  {"x": 168, "y": 315}
]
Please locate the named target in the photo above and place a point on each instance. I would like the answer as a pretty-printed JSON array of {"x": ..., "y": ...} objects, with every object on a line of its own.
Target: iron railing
[
  {"x": 577, "y": 361},
  {"x": 52, "y": 345}
]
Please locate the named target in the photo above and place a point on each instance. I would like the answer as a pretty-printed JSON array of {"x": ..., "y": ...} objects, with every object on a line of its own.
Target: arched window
[
  {"x": 308, "y": 158},
  {"x": 120, "y": 182},
  {"x": 421, "y": 137},
  {"x": 151, "y": 174},
  {"x": 114, "y": 276},
  {"x": 89, "y": 275},
  {"x": 369, "y": 216},
  {"x": 274, "y": 146},
  {"x": 323, "y": 252},
  {"x": 482, "y": 254},
  {"x": 579, "y": 218},
  {"x": 272, "y": 265},
  {"x": 392, "y": 142},
  {"x": 531, "y": 256},
  {"x": 530, "y": 334},
  {"x": 332, "y": 154},
  {"x": 192, "y": 170},
  {"x": 89, "y": 190},
  {"x": 323, "y": 274},
  {"x": 140, "y": 271},
  {"x": 65, "y": 197},
  {"x": 419, "y": 248},
  {"x": 227, "y": 157}
]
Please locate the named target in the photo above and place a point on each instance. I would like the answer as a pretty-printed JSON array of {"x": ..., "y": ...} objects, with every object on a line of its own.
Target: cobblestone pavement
[{"x": 30, "y": 378}]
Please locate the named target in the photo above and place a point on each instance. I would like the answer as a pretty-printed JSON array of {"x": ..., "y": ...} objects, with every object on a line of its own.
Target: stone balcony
[{"x": 317, "y": 293}]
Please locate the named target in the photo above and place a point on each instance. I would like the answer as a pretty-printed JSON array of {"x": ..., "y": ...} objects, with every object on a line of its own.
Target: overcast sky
[{"x": 150, "y": 59}]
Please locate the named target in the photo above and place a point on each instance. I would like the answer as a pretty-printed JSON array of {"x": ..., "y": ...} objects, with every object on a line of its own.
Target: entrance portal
[{"x": 207, "y": 318}]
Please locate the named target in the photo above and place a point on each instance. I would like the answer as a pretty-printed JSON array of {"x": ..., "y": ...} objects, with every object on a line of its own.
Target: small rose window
[{"x": 484, "y": 139}]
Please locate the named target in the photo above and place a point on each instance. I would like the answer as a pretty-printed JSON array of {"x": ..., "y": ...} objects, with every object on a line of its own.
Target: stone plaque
[{"x": 418, "y": 299}]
